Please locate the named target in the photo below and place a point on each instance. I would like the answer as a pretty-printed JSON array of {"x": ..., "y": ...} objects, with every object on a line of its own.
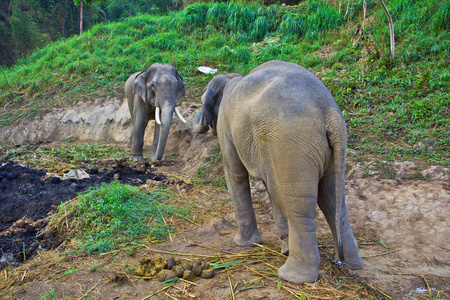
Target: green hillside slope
[{"x": 395, "y": 108}]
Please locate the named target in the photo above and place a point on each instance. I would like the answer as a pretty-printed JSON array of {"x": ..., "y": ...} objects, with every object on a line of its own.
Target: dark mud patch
[{"x": 27, "y": 196}]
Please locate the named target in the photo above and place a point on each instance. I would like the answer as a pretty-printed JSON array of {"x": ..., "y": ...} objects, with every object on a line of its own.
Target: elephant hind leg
[
  {"x": 327, "y": 203},
  {"x": 239, "y": 187},
  {"x": 302, "y": 264},
  {"x": 297, "y": 201},
  {"x": 282, "y": 225}
]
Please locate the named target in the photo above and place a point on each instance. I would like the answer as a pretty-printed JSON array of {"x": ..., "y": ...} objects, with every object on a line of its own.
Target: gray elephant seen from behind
[
  {"x": 153, "y": 95},
  {"x": 281, "y": 125}
]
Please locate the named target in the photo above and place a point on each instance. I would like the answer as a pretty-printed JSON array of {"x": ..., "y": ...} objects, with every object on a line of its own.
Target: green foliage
[
  {"x": 25, "y": 33},
  {"x": 112, "y": 215},
  {"x": 403, "y": 101},
  {"x": 441, "y": 20},
  {"x": 293, "y": 24}
]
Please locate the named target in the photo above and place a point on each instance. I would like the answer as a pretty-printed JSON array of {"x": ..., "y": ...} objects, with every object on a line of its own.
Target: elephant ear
[
  {"x": 180, "y": 91},
  {"x": 140, "y": 87}
]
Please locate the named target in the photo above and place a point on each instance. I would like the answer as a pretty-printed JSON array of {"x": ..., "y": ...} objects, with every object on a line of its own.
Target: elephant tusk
[
  {"x": 157, "y": 115},
  {"x": 179, "y": 115}
]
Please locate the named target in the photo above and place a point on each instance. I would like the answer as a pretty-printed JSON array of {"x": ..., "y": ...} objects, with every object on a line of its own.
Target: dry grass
[
  {"x": 253, "y": 270},
  {"x": 335, "y": 282}
]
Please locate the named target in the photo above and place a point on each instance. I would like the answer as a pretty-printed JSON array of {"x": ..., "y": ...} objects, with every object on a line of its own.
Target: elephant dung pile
[{"x": 166, "y": 269}]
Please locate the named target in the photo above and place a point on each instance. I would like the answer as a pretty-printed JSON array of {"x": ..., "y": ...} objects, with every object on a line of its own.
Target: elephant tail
[{"x": 337, "y": 136}]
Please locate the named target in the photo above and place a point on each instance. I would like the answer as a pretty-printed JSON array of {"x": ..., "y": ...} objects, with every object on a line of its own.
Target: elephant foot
[
  {"x": 248, "y": 242},
  {"x": 297, "y": 274},
  {"x": 136, "y": 157},
  {"x": 158, "y": 160},
  {"x": 285, "y": 245}
]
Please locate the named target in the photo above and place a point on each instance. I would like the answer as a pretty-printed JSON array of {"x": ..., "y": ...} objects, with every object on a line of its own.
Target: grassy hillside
[{"x": 396, "y": 108}]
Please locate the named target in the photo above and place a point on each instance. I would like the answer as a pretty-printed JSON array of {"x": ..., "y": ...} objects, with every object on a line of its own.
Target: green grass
[
  {"x": 50, "y": 295},
  {"x": 212, "y": 172},
  {"x": 112, "y": 216},
  {"x": 396, "y": 109}
]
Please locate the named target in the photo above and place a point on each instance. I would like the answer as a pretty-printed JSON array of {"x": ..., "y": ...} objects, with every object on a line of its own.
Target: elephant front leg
[
  {"x": 239, "y": 188},
  {"x": 137, "y": 139}
]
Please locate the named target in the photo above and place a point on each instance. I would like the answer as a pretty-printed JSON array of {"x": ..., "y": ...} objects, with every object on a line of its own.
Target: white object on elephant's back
[{"x": 207, "y": 70}]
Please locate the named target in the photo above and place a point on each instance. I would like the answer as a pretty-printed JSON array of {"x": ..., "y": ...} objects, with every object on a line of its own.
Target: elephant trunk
[
  {"x": 199, "y": 127},
  {"x": 166, "y": 120}
]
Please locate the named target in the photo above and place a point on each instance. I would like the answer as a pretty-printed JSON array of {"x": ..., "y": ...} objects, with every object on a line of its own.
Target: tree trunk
[
  {"x": 391, "y": 28},
  {"x": 63, "y": 25},
  {"x": 9, "y": 9},
  {"x": 81, "y": 17}
]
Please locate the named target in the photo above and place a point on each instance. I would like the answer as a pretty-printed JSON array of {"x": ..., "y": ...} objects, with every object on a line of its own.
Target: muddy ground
[
  {"x": 401, "y": 224},
  {"x": 28, "y": 195}
]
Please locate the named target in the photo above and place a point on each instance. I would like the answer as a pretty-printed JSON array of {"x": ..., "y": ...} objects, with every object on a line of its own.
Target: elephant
[
  {"x": 281, "y": 125},
  {"x": 153, "y": 95}
]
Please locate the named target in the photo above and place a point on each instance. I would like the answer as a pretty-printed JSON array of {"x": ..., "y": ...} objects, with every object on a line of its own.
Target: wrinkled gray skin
[
  {"x": 160, "y": 85},
  {"x": 281, "y": 124}
]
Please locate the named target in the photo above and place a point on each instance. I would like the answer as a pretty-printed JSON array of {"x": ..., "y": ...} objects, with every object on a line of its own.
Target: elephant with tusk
[
  {"x": 280, "y": 124},
  {"x": 153, "y": 95}
]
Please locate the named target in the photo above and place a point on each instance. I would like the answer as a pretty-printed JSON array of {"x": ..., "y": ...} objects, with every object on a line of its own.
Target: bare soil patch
[{"x": 400, "y": 224}]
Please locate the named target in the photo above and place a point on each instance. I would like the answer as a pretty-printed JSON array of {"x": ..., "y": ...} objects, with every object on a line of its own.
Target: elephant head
[
  {"x": 159, "y": 87},
  {"x": 207, "y": 118}
]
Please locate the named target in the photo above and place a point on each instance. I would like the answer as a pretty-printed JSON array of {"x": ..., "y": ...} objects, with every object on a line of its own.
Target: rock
[{"x": 76, "y": 174}]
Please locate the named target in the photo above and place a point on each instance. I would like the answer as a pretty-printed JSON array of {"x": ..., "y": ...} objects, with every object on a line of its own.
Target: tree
[
  {"x": 81, "y": 4},
  {"x": 391, "y": 28},
  {"x": 24, "y": 31}
]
